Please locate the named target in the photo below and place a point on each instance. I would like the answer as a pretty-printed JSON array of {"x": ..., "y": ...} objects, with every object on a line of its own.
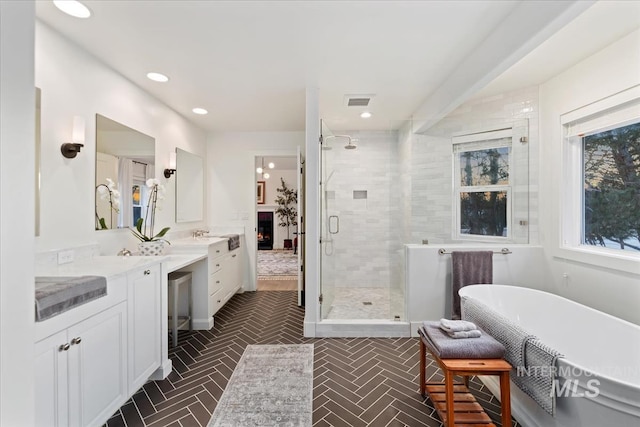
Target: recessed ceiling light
[
  {"x": 157, "y": 77},
  {"x": 73, "y": 8},
  {"x": 365, "y": 114},
  {"x": 199, "y": 111}
]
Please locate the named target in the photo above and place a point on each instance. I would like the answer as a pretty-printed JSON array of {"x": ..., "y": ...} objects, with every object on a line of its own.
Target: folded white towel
[
  {"x": 465, "y": 334},
  {"x": 456, "y": 325}
]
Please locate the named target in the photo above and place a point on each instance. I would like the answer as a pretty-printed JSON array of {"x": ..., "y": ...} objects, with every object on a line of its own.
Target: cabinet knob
[
  {"x": 64, "y": 347},
  {"x": 217, "y": 281},
  {"x": 147, "y": 272},
  {"x": 76, "y": 340},
  {"x": 217, "y": 265},
  {"x": 218, "y": 303},
  {"x": 234, "y": 255},
  {"x": 217, "y": 251}
]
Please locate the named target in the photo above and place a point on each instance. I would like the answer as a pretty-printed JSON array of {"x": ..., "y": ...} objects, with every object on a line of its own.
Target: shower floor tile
[{"x": 361, "y": 303}]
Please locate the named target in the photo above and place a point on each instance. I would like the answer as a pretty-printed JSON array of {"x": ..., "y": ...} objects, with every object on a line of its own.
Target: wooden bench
[{"x": 455, "y": 399}]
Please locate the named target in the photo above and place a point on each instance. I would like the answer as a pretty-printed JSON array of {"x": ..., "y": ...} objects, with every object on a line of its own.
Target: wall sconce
[
  {"x": 71, "y": 149},
  {"x": 172, "y": 166}
]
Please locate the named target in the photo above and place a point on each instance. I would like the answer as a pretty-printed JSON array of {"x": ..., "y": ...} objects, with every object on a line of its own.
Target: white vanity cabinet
[
  {"x": 233, "y": 277},
  {"x": 90, "y": 359},
  {"x": 81, "y": 372},
  {"x": 217, "y": 280},
  {"x": 214, "y": 280},
  {"x": 225, "y": 279},
  {"x": 144, "y": 311}
]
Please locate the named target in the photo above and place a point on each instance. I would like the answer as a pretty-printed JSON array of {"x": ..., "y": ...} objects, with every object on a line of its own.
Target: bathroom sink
[{"x": 55, "y": 295}]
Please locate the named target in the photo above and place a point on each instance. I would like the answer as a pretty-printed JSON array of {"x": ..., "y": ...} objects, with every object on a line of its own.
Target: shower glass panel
[{"x": 362, "y": 249}]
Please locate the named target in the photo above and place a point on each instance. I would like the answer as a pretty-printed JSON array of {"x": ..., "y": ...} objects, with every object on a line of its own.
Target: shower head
[{"x": 350, "y": 145}]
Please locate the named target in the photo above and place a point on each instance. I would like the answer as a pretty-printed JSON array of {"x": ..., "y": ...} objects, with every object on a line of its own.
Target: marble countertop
[
  {"x": 204, "y": 241},
  {"x": 107, "y": 266},
  {"x": 178, "y": 261}
]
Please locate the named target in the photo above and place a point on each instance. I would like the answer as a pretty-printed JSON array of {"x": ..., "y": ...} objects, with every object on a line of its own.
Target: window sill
[{"x": 605, "y": 258}]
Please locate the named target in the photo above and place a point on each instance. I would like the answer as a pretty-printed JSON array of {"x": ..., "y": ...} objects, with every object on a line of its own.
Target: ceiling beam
[{"x": 530, "y": 24}]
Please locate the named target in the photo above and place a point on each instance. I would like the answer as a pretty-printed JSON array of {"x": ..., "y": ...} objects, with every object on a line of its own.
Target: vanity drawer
[
  {"x": 215, "y": 265},
  {"x": 215, "y": 282},
  {"x": 219, "y": 249},
  {"x": 216, "y": 301}
]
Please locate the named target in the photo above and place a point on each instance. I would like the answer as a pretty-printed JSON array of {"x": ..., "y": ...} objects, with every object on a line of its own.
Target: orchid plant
[
  {"x": 108, "y": 192},
  {"x": 144, "y": 226}
]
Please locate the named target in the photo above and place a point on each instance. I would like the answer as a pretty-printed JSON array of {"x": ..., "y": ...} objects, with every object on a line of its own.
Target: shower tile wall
[
  {"x": 366, "y": 253},
  {"x": 430, "y": 161}
]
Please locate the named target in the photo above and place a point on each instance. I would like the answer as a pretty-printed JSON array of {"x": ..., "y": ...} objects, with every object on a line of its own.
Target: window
[
  {"x": 483, "y": 185},
  {"x": 601, "y": 188},
  {"x": 611, "y": 180},
  {"x": 136, "y": 202}
]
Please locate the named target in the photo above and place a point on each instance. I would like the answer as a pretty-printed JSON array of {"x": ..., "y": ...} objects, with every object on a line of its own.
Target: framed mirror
[
  {"x": 125, "y": 160},
  {"x": 189, "y": 186}
]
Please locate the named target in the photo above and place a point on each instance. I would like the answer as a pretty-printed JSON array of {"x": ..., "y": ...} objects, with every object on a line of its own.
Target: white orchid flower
[
  {"x": 152, "y": 182},
  {"x": 109, "y": 193}
]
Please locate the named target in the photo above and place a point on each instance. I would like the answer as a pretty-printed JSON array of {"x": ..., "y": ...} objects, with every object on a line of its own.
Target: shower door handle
[{"x": 335, "y": 223}]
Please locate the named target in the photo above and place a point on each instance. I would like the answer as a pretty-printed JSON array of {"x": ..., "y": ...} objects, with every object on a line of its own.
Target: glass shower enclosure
[{"x": 361, "y": 249}]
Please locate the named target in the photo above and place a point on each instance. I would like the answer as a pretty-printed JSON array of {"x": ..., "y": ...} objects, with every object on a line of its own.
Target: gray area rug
[
  {"x": 277, "y": 263},
  {"x": 271, "y": 386}
]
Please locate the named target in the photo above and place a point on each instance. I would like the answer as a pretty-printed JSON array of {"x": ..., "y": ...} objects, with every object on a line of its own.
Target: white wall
[
  {"x": 591, "y": 279},
  {"x": 232, "y": 181},
  {"x": 429, "y": 295},
  {"x": 17, "y": 188},
  {"x": 312, "y": 210},
  {"x": 75, "y": 83}
]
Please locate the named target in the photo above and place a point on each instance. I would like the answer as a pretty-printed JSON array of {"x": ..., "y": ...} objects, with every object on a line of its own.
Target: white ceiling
[{"x": 249, "y": 62}]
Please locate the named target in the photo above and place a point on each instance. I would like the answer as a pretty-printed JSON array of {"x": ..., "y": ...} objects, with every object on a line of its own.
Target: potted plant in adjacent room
[
  {"x": 286, "y": 211},
  {"x": 151, "y": 244}
]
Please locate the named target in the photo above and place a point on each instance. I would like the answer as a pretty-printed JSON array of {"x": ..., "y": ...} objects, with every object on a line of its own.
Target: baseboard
[
  {"x": 362, "y": 329},
  {"x": 202, "y": 324},
  {"x": 163, "y": 371}
]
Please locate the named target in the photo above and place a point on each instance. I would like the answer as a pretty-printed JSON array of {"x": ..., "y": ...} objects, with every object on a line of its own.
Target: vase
[{"x": 152, "y": 248}]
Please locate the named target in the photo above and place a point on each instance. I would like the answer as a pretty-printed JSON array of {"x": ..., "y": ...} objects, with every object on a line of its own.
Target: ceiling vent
[{"x": 357, "y": 100}]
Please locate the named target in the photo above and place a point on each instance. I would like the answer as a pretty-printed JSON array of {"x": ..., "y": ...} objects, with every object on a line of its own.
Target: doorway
[{"x": 277, "y": 205}]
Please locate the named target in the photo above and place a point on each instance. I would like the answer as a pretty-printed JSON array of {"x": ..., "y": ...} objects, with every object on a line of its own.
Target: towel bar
[{"x": 503, "y": 251}]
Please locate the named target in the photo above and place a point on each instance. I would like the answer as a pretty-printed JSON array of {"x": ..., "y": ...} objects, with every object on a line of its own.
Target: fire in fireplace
[{"x": 265, "y": 230}]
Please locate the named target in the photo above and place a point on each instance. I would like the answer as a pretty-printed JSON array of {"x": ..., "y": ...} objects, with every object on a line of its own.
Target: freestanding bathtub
[{"x": 599, "y": 375}]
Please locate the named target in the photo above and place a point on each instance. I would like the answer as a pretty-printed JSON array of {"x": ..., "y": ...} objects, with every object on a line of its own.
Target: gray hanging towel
[
  {"x": 469, "y": 268},
  {"x": 233, "y": 242}
]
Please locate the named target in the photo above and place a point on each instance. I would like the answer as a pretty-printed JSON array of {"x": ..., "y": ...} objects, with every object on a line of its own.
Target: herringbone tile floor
[{"x": 357, "y": 381}]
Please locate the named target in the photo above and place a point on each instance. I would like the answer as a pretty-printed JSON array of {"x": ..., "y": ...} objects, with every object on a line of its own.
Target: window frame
[
  {"x": 474, "y": 142},
  {"x": 609, "y": 113}
]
